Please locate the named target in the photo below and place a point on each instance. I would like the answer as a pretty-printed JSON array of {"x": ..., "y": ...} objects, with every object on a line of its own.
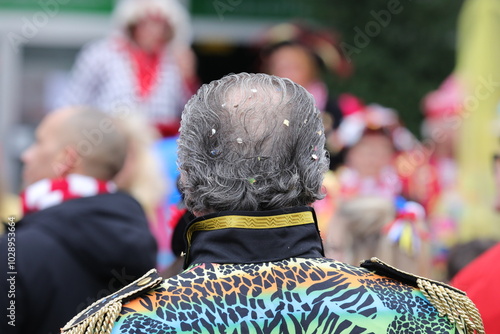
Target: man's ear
[{"x": 69, "y": 160}]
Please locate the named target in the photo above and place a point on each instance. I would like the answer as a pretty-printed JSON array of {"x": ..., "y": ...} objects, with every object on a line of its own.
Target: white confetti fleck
[{"x": 286, "y": 122}]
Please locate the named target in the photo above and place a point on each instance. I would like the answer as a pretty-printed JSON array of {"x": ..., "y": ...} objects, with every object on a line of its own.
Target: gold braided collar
[
  {"x": 249, "y": 222},
  {"x": 257, "y": 221}
]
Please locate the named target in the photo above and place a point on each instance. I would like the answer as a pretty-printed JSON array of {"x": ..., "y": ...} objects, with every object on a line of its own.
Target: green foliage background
[{"x": 407, "y": 59}]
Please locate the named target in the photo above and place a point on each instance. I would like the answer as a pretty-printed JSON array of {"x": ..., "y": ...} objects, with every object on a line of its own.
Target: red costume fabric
[{"x": 479, "y": 279}]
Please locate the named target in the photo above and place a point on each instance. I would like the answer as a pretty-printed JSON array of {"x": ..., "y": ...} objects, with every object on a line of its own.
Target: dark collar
[{"x": 253, "y": 236}]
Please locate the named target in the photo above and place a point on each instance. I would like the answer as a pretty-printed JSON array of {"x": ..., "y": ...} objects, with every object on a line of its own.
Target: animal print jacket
[{"x": 263, "y": 272}]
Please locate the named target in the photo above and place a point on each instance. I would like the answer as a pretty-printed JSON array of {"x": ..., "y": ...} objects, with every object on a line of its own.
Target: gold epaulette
[
  {"x": 449, "y": 301},
  {"x": 101, "y": 315}
]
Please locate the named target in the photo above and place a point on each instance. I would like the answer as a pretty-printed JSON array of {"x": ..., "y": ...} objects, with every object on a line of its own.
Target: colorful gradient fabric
[{"x": 297, "y": 295}]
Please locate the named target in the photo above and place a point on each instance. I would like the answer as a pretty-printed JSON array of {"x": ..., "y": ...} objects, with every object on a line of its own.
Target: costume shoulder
[
  {"x": 101, "y": 315},
  {"x": 449, "y": 301}
]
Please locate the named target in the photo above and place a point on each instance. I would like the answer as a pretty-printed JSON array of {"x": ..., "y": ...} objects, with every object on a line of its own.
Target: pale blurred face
[
  {"x": 152, "y": 34},
  {"x": 42, "y": 157},
  {"x": 370, "y": 155},
  {"x": 293, "y": 62}
]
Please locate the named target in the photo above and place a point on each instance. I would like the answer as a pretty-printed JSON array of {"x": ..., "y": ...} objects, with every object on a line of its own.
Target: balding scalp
[
  {"x": 99, "y": 140},
  {"x": 251, "y": 142}
]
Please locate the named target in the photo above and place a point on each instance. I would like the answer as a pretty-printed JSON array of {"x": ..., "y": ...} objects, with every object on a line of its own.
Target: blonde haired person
[
  {"x": 141, "y": 175},
  {"x": 370, "y": 226}
]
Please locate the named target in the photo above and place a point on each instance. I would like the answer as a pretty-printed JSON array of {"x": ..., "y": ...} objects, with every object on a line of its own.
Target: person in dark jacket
[{"x": 80, "y": 238}]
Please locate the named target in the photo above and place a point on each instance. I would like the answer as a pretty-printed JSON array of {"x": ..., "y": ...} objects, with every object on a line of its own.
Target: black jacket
[{"x": 69, "y": 255}]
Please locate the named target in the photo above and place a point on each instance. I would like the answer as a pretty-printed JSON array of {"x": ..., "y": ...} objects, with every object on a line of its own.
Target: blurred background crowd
[{"x": 409, "y": 92}]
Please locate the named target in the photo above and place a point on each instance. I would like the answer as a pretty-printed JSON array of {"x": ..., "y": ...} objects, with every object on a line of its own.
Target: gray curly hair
[{"x": 251, "y": 142}]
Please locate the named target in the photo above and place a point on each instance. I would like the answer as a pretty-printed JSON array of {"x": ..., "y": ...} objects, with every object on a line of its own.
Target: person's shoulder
[
  {"x": 117, "y": 198},
  {"x": 398, "y": 290},
  {"x": 449, "y": 302},
  {"x": 107, "y": 309},
  {"x": 118, "y": 206}
]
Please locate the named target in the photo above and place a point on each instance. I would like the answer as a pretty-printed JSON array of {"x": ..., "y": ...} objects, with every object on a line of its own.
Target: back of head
[
  {"x": 251, "y": 142},
  {"x": 359, "y": 232},
  {"x": 362, "y": 220},
  {"x": 100, "y": 141}
]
